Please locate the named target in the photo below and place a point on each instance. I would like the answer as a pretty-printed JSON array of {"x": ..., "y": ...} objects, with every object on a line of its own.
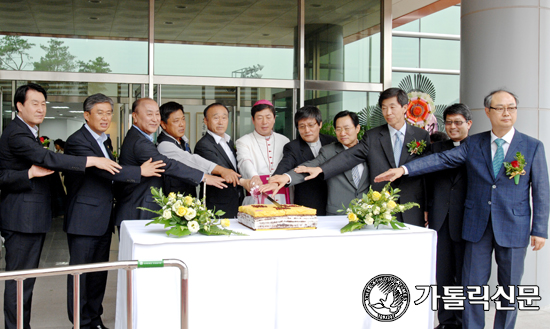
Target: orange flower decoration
[{"x": 418, "y": 110}]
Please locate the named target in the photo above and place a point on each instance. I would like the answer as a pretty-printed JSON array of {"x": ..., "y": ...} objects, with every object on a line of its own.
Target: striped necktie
[
  {"x": 356, "y": 176},
  {"x": 397, "y": 146},
  {"x": 499, "y": 156}
]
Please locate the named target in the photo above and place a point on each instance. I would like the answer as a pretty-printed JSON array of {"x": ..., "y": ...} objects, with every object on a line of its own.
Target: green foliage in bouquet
[
  {"x": 375, "y": 208},
  {"x": 185, "y": 215}
]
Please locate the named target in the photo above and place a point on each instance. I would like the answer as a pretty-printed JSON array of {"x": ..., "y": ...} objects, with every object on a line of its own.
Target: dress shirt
[
  {"x": 34, "y": 130},
  {"x": 224, "y": 142},
  {"x": 195, "y": 161},
  {"x": 393, "y": 131},
  {"x": 100, "y": 139},
  {"x": 507, "y": 138},
  {"x": 149, "y": 137},
  {"x": 315, "y": 147}
]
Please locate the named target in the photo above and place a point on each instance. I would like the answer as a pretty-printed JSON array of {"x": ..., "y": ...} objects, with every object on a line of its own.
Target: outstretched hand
[
  {"x": 230, "y": 176},
  {"x": 150, "y": 168},
  {"x": 275, "y": 183},
  {"x": 104, "y": 164},
  {"x": 36, "y": 171},
  {"x": 214, "y": 181},
  {"x": 312, "y": 171},
  {"x": 390, "y": 175}
]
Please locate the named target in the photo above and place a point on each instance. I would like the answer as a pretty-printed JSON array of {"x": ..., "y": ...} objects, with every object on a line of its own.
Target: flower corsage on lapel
[
  {"x": 514, "y": 169},
  {"x": 416, "y": 147}
]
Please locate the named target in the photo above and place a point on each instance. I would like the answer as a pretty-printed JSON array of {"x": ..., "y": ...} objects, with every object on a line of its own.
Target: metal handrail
[{"x": 77, "y": 270}]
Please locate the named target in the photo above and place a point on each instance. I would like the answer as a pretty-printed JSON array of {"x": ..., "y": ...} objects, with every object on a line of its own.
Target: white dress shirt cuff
[{"x": 406, "y": 170}]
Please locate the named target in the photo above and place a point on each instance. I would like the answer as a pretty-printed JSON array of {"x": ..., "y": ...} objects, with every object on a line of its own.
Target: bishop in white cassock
[{"x": 259, "y": 152}]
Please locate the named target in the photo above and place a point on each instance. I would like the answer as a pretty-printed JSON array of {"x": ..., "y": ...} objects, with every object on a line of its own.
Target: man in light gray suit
[{"x": 343, "y": 187}]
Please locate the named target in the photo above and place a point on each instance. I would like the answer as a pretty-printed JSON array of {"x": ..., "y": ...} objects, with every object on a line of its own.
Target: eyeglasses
[
  {"x": 457, "y": 123},
  {"x": 104, "y": 114},
  {"x": 346, "y": 129},
  {"x": 309, "y": 125},
  {"x": 511, "y": 109}
]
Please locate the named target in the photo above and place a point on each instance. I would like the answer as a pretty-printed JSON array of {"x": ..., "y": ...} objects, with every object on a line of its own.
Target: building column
[{"x": 505, "y": 44}]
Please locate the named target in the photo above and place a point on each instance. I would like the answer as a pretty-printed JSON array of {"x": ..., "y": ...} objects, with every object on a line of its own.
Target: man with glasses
[
  {"x": 497, "y": 214},
  {"x": 446, "y": 194},
  {"x": 343, "y": 187},
  {"x": 308, "y": 121},
  {"x": 382, "y": 148},
  {"x": 88, "y": 220}
]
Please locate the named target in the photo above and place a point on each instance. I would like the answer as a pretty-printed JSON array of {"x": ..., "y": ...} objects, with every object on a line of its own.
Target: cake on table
[{"x": 272, "y": 217}]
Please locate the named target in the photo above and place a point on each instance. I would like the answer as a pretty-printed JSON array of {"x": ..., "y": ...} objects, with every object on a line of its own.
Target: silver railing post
[
  {"x": 20, "y": 303},
  {"x": 76, "y": 300},
  {"x": 129, "y": 300}
]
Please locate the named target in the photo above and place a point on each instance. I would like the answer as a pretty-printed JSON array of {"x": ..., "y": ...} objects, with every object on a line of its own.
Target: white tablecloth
[{"x": 275, "y": 279}]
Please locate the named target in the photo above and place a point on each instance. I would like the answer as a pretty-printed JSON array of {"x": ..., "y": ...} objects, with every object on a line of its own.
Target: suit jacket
[
  {"x": 500, "y": 199},
  {"x": 30, "y": 211},
  {"x": 376, "y": 149},
  {"x": 135, "y": 150},
  {"x": 446, "y": 194},
  {"x": 311, "y": 193},
  {"x": 173, "y": 184},
  {"x": 228, "y": 199},
  {"x": 90, "y": 194},
  {"x": 15, "y": 180},
  {"x": 341, "y": 188}
]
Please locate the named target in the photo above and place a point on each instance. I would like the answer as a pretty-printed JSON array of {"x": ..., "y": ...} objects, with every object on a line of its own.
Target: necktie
[
  {"x": 186, "y": 147},
  {"x": 499, "y": 156},
  {"x": 397, "y": 146},
  {"x": 356, "y": 175}
]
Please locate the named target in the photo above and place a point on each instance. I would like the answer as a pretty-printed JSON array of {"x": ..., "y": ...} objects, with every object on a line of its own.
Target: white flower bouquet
[
  {"x": 186, "y": 215},
  {"x": 375, "y": 208}
]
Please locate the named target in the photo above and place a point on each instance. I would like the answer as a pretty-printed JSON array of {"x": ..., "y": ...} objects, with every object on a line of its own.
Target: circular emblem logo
[{"x": 386, "y": 298}]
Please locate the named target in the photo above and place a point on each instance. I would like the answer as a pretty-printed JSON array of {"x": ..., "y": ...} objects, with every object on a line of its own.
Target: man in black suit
[
  {"x": 382, "y": 148},
  {"x": 27, "y": 215},
  {"x": 173, "y": 144},
  {"x": 137, "y": 148},
  {"x": 89, "y": 206},
  {"x": 313, "y": 193},
  {"x": 446, "y": 196},
  {"x": 218, "y": 147}
]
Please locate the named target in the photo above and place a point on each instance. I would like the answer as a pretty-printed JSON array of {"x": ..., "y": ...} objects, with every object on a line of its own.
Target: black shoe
[{"x": 448, "y": 326}]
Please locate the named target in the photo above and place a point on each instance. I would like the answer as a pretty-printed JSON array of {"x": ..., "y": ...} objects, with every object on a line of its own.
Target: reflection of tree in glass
[
  {"x": 13, "y": 52},
  {"x": 97, "y": 65},
  {"x": 57, "y": 58}
]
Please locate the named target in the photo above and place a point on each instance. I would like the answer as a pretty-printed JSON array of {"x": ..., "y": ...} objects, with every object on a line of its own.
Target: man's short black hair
[
  {"x": 306, "y": 112},
  {"x": 401, "y": 95},
  {"x": 458, "y": 108},
  {"x": 260, "y": 107},
  {"x": 168, "y": 108},
  {"x": 354, "y": 117},
  {"x": 212, "y": 105},
  {"x": 21, "y": 93},
  {"x": 438, "y": 136}
]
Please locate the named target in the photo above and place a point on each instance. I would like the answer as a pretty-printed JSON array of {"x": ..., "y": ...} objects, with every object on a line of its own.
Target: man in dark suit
[
  {"x": 446, "y": 195},
  {"x": 27, "y": 215},
  {"x": 313, "y": 193},
  {"x": 137, "y": 148},
  {"x": 88, "y": 220},
  {"x": 173, "y": 144},
  {"x": 343, "y": 187},
  {"x": 497, "y": 214},
  {"x": 383, "y": 148},
  {"x": 218, "y": 147}
]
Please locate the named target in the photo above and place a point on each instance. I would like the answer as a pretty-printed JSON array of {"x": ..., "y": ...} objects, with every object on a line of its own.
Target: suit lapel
[
  {"x": 222, "y": 151},
  {"x": 386, "y": 143},
  {"x": 340, "y": 148},
  {"x": 409, "y": 137},
  {"x": 485, "y": 147},
  {"x": 92, "y": 141},
  {"x": 305, "y": 151}
]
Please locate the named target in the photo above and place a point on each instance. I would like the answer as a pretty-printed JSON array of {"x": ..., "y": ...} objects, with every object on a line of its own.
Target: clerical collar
[
  {"x": 456, "y": 143},
  {"x": 314, "y": 144}
]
